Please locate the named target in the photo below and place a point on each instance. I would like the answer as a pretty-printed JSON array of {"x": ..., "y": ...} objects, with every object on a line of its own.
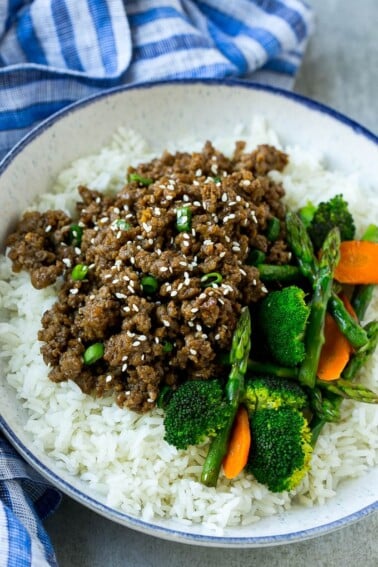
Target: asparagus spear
[
  {"x": 355, "y": 334},
  {"x": 322, "y": 291},
  {"x": 363, "y": 293},
  {"x": 362, "y": 356},
  {"x": 241, "y": 344},
  {"x": 350, "y": 390},
  {"x": 285, "y": 273},
  {"x": 300, "y": 243}
]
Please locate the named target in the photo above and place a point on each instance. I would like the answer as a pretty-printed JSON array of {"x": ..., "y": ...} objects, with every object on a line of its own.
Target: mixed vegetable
[{"x": 293, "y": 359}]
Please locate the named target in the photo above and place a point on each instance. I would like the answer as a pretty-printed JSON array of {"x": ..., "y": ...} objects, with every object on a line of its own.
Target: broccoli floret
[
  {"x": 329, "y": 214},
  {"x": 196, "y": 410},
  {"x": 281, "y": 448},
  {"x": 283, "y": 317},
  {"x": 269, "y": 392}
]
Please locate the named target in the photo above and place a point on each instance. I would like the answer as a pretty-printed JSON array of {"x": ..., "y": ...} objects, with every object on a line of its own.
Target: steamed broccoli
[
  {"x": 283, "y": 317},
  {"x": 281, "y": 447},
  {"x": 329, "y": 214},
  {"x": 196, "y": 410},
  {"x": 268, "y": 392}
]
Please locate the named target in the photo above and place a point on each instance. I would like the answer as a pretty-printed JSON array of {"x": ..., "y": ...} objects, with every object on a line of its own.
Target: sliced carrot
[
  {"x": 335, "y": 351},
  {"x": 358, "y": 262},
  {"x": 239, "y": 444}
]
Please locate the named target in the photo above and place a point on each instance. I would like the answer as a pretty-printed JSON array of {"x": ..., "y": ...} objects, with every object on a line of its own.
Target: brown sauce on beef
[{"x": 178, "y": 332}]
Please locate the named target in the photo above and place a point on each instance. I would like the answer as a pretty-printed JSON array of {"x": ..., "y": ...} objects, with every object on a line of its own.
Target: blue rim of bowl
[{"x": 138, "y": 524}]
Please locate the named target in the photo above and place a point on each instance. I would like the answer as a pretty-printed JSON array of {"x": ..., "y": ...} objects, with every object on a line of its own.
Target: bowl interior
[{"x": 162, "y": 113}]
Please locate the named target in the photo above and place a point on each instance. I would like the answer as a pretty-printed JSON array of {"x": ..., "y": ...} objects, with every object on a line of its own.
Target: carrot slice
[
  {"x": 335, "y": 351},
  {"x": 239, "y": 444},
  {"x": 358, "y": 262}
]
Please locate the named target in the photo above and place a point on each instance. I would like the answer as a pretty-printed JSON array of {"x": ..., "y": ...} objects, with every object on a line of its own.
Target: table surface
[{"x": 340, "y": 70}]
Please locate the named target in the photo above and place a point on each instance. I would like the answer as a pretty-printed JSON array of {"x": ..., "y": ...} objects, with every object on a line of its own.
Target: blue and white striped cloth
[{"x": 54, "y": 52}]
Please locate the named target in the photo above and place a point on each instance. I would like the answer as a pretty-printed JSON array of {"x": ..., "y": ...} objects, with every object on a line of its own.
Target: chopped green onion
[
  {"x": 79, "y": 272},
  {"x": 167, "y": 346},
  {"x": 149, "y": 284},
  {"x": 139, "y": 179},
  {"x": 93, "y": 353},
  {"x": 164, "y": 397},
  {"x": 217, "y": 179},
  {"x": 255, "y": 257},
  {"x": 184, "y": 219},
  {"x": 210, "y": 279},
  {"x": 75, "y": 234},
  {"x": 273, "y": 230},
  {"x": 121, "y": 224}
]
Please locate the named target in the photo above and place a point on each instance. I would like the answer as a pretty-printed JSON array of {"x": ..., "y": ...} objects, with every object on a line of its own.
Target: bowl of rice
[{"x": 115, "y": 460}]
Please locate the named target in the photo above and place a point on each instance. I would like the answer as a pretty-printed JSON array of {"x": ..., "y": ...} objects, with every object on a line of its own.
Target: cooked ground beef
[{"x": 177, "y": 332}]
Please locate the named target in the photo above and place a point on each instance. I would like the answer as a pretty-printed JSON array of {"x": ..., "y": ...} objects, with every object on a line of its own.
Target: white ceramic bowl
[{"x": 161, "y": 112}]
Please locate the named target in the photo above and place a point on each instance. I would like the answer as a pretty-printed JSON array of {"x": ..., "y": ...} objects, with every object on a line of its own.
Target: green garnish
[
  {"x": 210, "y": 279},
  {"x": 139, "y": 179},
  {"x": 79, "y": 272},
  {"x": 273, "y": 230},
  {"x": 149, "y": 284},
  {"x": 256, "y": 257},
  {"x": 121, "y": 224},
  {"x": 167, "y": 346},
  {"x": 184, "y": 219},
  {"x": 93, "y": 353}
]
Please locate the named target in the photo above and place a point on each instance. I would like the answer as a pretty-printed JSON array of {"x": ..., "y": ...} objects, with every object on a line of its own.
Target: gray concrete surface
[{"x": 340, "y": 70}]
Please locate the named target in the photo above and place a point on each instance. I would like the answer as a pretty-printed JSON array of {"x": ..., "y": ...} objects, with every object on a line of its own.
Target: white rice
[{"x": 122, "y": 455}]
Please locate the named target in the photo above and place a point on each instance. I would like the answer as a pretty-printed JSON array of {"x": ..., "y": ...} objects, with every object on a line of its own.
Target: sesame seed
[
  {"x": 130, "y": 288},
  {"x": 169, "y": 197},
  {"x": 179, "y": 286},
  {"x": 136, "y": 343},
  {"x": 124, "y": 367},
  {"x": 116, "y": 280},
  {"x": 174, "y": 293},
  {"x": 263, "y": 288},
  {"x": 185, "y": 198},
  {"x": 74, "y": 291},
  {"x": 243, "y": 272},
  {"x": 77, "y": 250},
  {"x": 147, "y": 227},
  {"x": 48, "y": 228},
  {"x": 196, "y": 203},
  {"x": 198, "y": 172},
  {"x": 217, "y": 337},
  {"x": 214, "y": 168},
  {"x": 120, "y": 295},
  {"x": 124, "y": 358},
  {"x": 109, "y": 378},
  {"x": 222, "y": 254},
  {"x": 202, "y": 296},
  {"x": 194, "y": 310},
  {"x": 157, "y": 340},
  {"x": 92, "y": 297},
  {"x": 190, "y": 324},
  {"x": 132, "y": 260},
  {"x": 98, "y": 200},
  {"x": 253, "y": 215},
  {"x": 126, "y": 308},
  {"x": 224, "y": 197},
  {"x": 163, "y": 269},
  {"x": 238, "y": 198},
  {"x": 135, "y": 308},
  {"x": 254, "y": 282},
  {"x": 142, "y": 338},
  {"x": 104, "y": 219},
  {"x": 195, "y": 183},
  {"x": 67, "y": 262},
  {"x": 165, "y": 323},
  {"x": 107, "y": 276},
  {"x": 220, "y": 301},
  {"x": 192, "y": 351},
  {"x": 186, "y": 236},
  {"x": 184, "y": 264},
  {"x": 198, "y": 327},
  {"x": 246, "y": 182}
]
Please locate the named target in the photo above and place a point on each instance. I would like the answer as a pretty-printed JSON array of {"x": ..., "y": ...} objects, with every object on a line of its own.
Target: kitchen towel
[{"x": 55, "y": 52}]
